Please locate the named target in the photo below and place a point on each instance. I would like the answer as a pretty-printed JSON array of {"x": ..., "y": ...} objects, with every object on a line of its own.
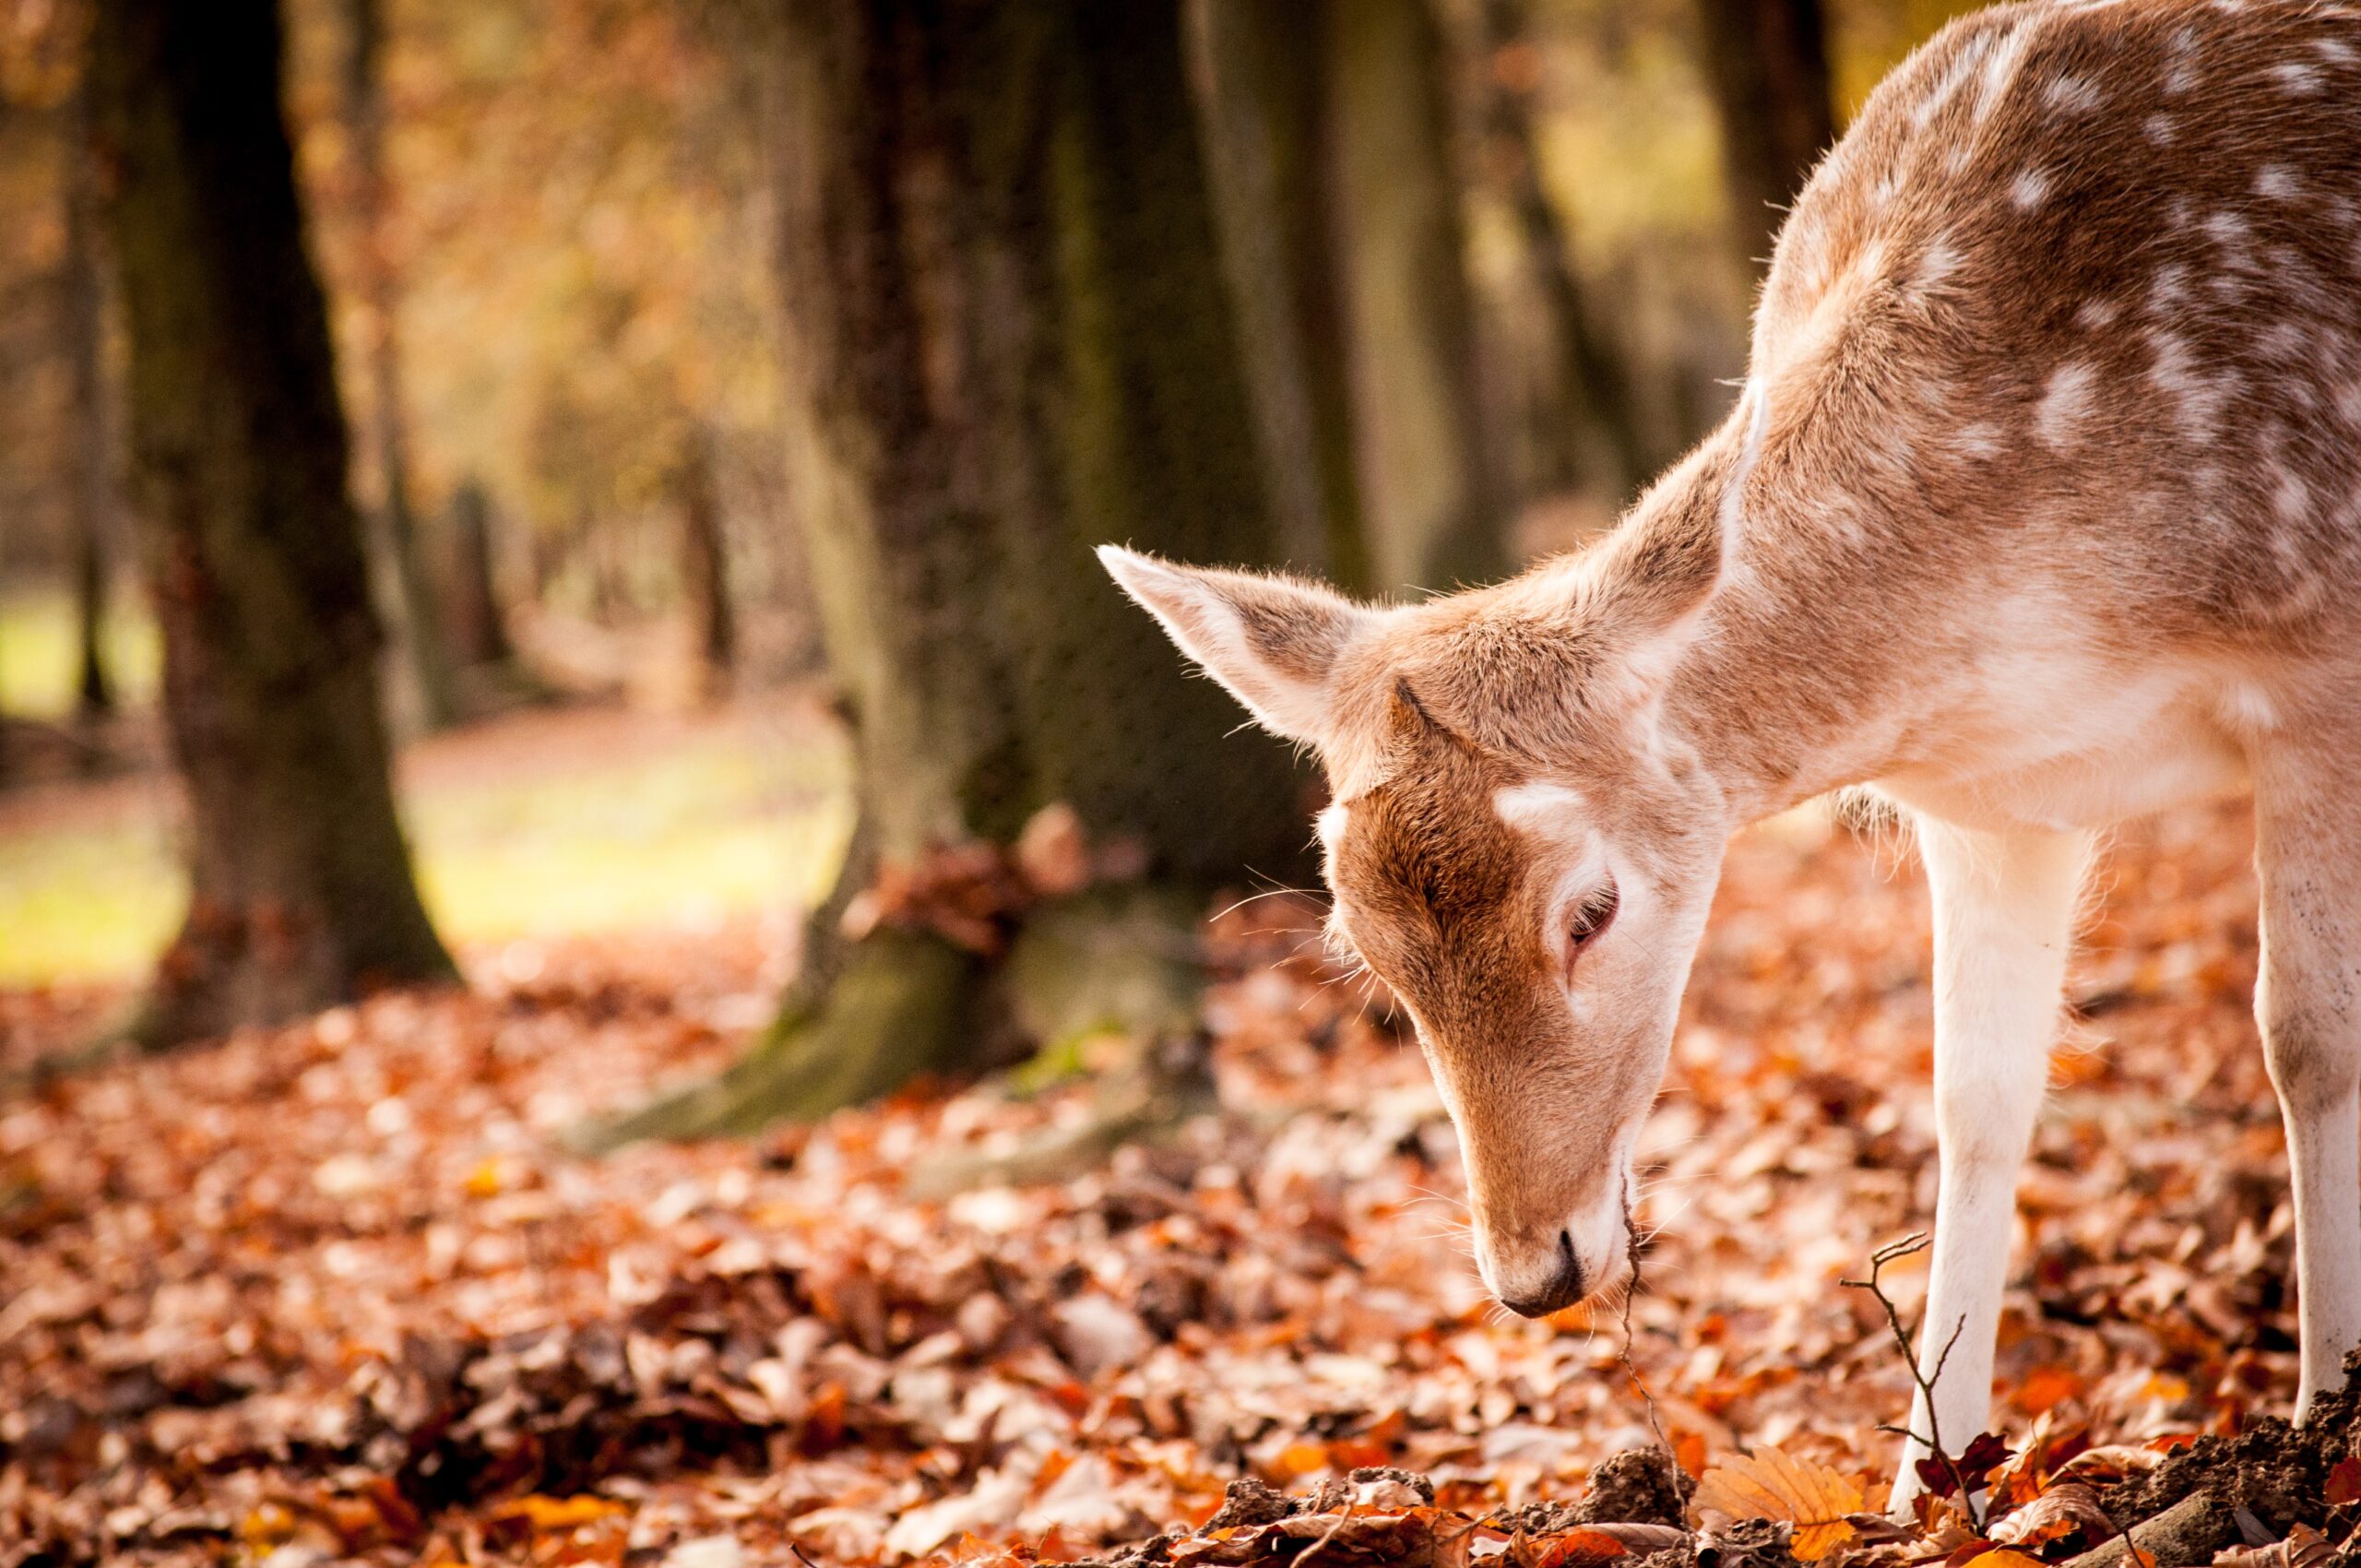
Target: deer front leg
[
  {"x": 2004, "y": 920},
  {"x": 2308, "y": 997}
]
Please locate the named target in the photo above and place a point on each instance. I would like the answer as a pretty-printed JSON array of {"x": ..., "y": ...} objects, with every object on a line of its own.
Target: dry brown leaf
[
  {"x": 2067, "y": 1509},
  {"x": 1770, "y": 1484},
  {"x": 2109, "y": 1462},
  {"x": 2304, "y": 1548}
]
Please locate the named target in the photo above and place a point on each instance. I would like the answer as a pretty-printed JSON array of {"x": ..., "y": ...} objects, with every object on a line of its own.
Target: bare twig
[
  {"x": 1308, "y": 1553},
  {"x": 1631, "y": 1290},
  {"x": 1909, "y": 1246}
]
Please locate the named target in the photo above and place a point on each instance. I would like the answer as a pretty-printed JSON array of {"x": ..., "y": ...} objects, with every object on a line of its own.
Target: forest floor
[{"x": 335, "y": 1292}]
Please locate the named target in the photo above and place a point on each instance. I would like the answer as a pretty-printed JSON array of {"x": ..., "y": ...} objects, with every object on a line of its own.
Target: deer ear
[{"x": 1271, "y": 642}]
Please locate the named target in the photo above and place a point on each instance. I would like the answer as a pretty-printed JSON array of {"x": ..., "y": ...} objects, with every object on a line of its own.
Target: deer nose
[{"x": 1563, "y": 1288}]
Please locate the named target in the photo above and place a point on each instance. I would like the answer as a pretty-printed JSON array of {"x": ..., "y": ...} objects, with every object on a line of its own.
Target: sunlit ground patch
[{"x": 537, "y": 825}]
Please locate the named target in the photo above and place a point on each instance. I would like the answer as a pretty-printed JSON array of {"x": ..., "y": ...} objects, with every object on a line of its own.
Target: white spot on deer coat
[
  {"x": 1935, "y": 267},
  {"x": 1962, "y": 67},
  {"x": 2198, "y": 398},
  {"x": 2092, "y": 315},
  {"x": 2274, "y": 182},
  {"x": 2299, "y": 79},
  {"x": 2071, "y": 95},
  {"x": 2158, "y": 128},
  {"x": 2293, "y": 499},
  {"x": 1982, "y": 441},
  {"x": 2000, "y": 69},
  {"x": 2066, "y": 400},
  {"x": 2336, "y": 51},
  {"x": 2235, "y": 235},
  {"x": 2029, "y": 190}
]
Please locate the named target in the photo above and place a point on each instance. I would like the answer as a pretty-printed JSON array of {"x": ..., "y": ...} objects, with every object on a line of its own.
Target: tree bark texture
[
  {"x": 1432, "y": 506},
  {"x": 421, "y": 641},
  {"x": 301, "y": 887},
  {"x": 1768, "y": 63},
  {"x": 1008, "y": 340}
]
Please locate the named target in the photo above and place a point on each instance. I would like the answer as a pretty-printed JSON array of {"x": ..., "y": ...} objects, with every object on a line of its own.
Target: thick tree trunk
[
  {"x": 301, "y": 887},
  {"x": 705, "y": 564},
  {"x": 1594, "y": 435},
  {"x": 1009, "y": 340},
  {"x": 88, "y": 449},
  {"x": 1768, "y": 61},
  {"x": 420, "y": 639},
  {"x": 1433, "y": 517}
]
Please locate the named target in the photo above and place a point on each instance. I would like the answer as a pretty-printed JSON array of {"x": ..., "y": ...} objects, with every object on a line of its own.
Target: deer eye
[{"x": 1590, "y": 919}]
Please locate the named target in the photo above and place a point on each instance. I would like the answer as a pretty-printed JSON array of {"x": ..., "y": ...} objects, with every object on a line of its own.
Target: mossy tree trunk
[
  {"x": 1009, "y": 340},
  {"x": 1767, "y": 62},
  {"x": 301, "y": 887}
]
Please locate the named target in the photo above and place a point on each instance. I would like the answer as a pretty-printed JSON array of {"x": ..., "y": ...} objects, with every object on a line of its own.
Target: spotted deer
[{"x": 2040, "y": 509}]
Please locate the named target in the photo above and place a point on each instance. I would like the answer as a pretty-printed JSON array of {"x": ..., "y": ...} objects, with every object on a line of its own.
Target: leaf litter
[{"x": 334, "y": 1292}]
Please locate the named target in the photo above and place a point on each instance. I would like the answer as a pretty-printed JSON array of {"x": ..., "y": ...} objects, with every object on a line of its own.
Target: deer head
[{"x": 1518, "y": 845}]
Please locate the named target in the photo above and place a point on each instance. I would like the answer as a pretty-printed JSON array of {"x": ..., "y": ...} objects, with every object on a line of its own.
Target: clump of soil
[
  {"x": 1639, "y": 1486},
  {"x": 2276, "y": 1471},
  {"x": 1247, "y": 1501}
]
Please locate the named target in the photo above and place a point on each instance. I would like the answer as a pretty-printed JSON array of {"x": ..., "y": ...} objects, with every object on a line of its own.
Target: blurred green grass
[
  {"x": 41, "y": 661},
  {"x": 595, "y": 828}
]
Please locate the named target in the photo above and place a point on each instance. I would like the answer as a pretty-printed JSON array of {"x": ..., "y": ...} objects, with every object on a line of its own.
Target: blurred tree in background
[
  {"x": 301, "y": 889},
  {"x": 1008, "y": 340},
  {"x": 1769, "y": 64}
]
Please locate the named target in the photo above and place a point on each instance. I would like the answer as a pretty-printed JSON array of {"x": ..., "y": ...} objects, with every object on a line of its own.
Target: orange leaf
[
  {"x": 2002, "y": 1557},
  {"x": 2045, "y": 1389},
  {"x": 1770, "y": 1485},
  {"x": 548, "y": 1515},
  {"x": 1580, "y": 1549},
  {"x": 2344, "y": 1481}
]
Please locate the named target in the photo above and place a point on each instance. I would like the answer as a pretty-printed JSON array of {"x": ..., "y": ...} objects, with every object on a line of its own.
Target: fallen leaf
[
  {"x": 1813, "y": 1497},
  {"x": 2069, "y": 1509}
]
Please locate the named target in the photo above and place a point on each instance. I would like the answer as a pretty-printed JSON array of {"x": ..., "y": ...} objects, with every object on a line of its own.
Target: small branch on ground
[
  {"x": 1631, "y": 1291},
  {"x": 1910, "y": 1246}
]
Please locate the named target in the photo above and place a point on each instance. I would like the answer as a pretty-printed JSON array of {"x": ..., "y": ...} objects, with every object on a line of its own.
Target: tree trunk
[
  {"x": 1261, "y": 93},
  {"x": 89, "y": 480},
  {"x": 704, "y": 563},
  {"x": 301, "y": 890},
  {"x": 1768, "y": 61},
  {"x": 1594, "y": 431},
  {"x": 478, "y": 630},
  {"x": 420, "y": 639},
  {"x": 1432, "y": 513},
  {"x": 1009, "y": 340}
]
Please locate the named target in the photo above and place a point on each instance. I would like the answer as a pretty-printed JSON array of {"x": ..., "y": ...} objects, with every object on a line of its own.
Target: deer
[{"x": 2039, "y": 510}]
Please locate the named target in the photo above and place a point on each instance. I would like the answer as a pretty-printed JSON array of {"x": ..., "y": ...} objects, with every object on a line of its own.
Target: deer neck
[{"x": 1824, "y": 649}]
